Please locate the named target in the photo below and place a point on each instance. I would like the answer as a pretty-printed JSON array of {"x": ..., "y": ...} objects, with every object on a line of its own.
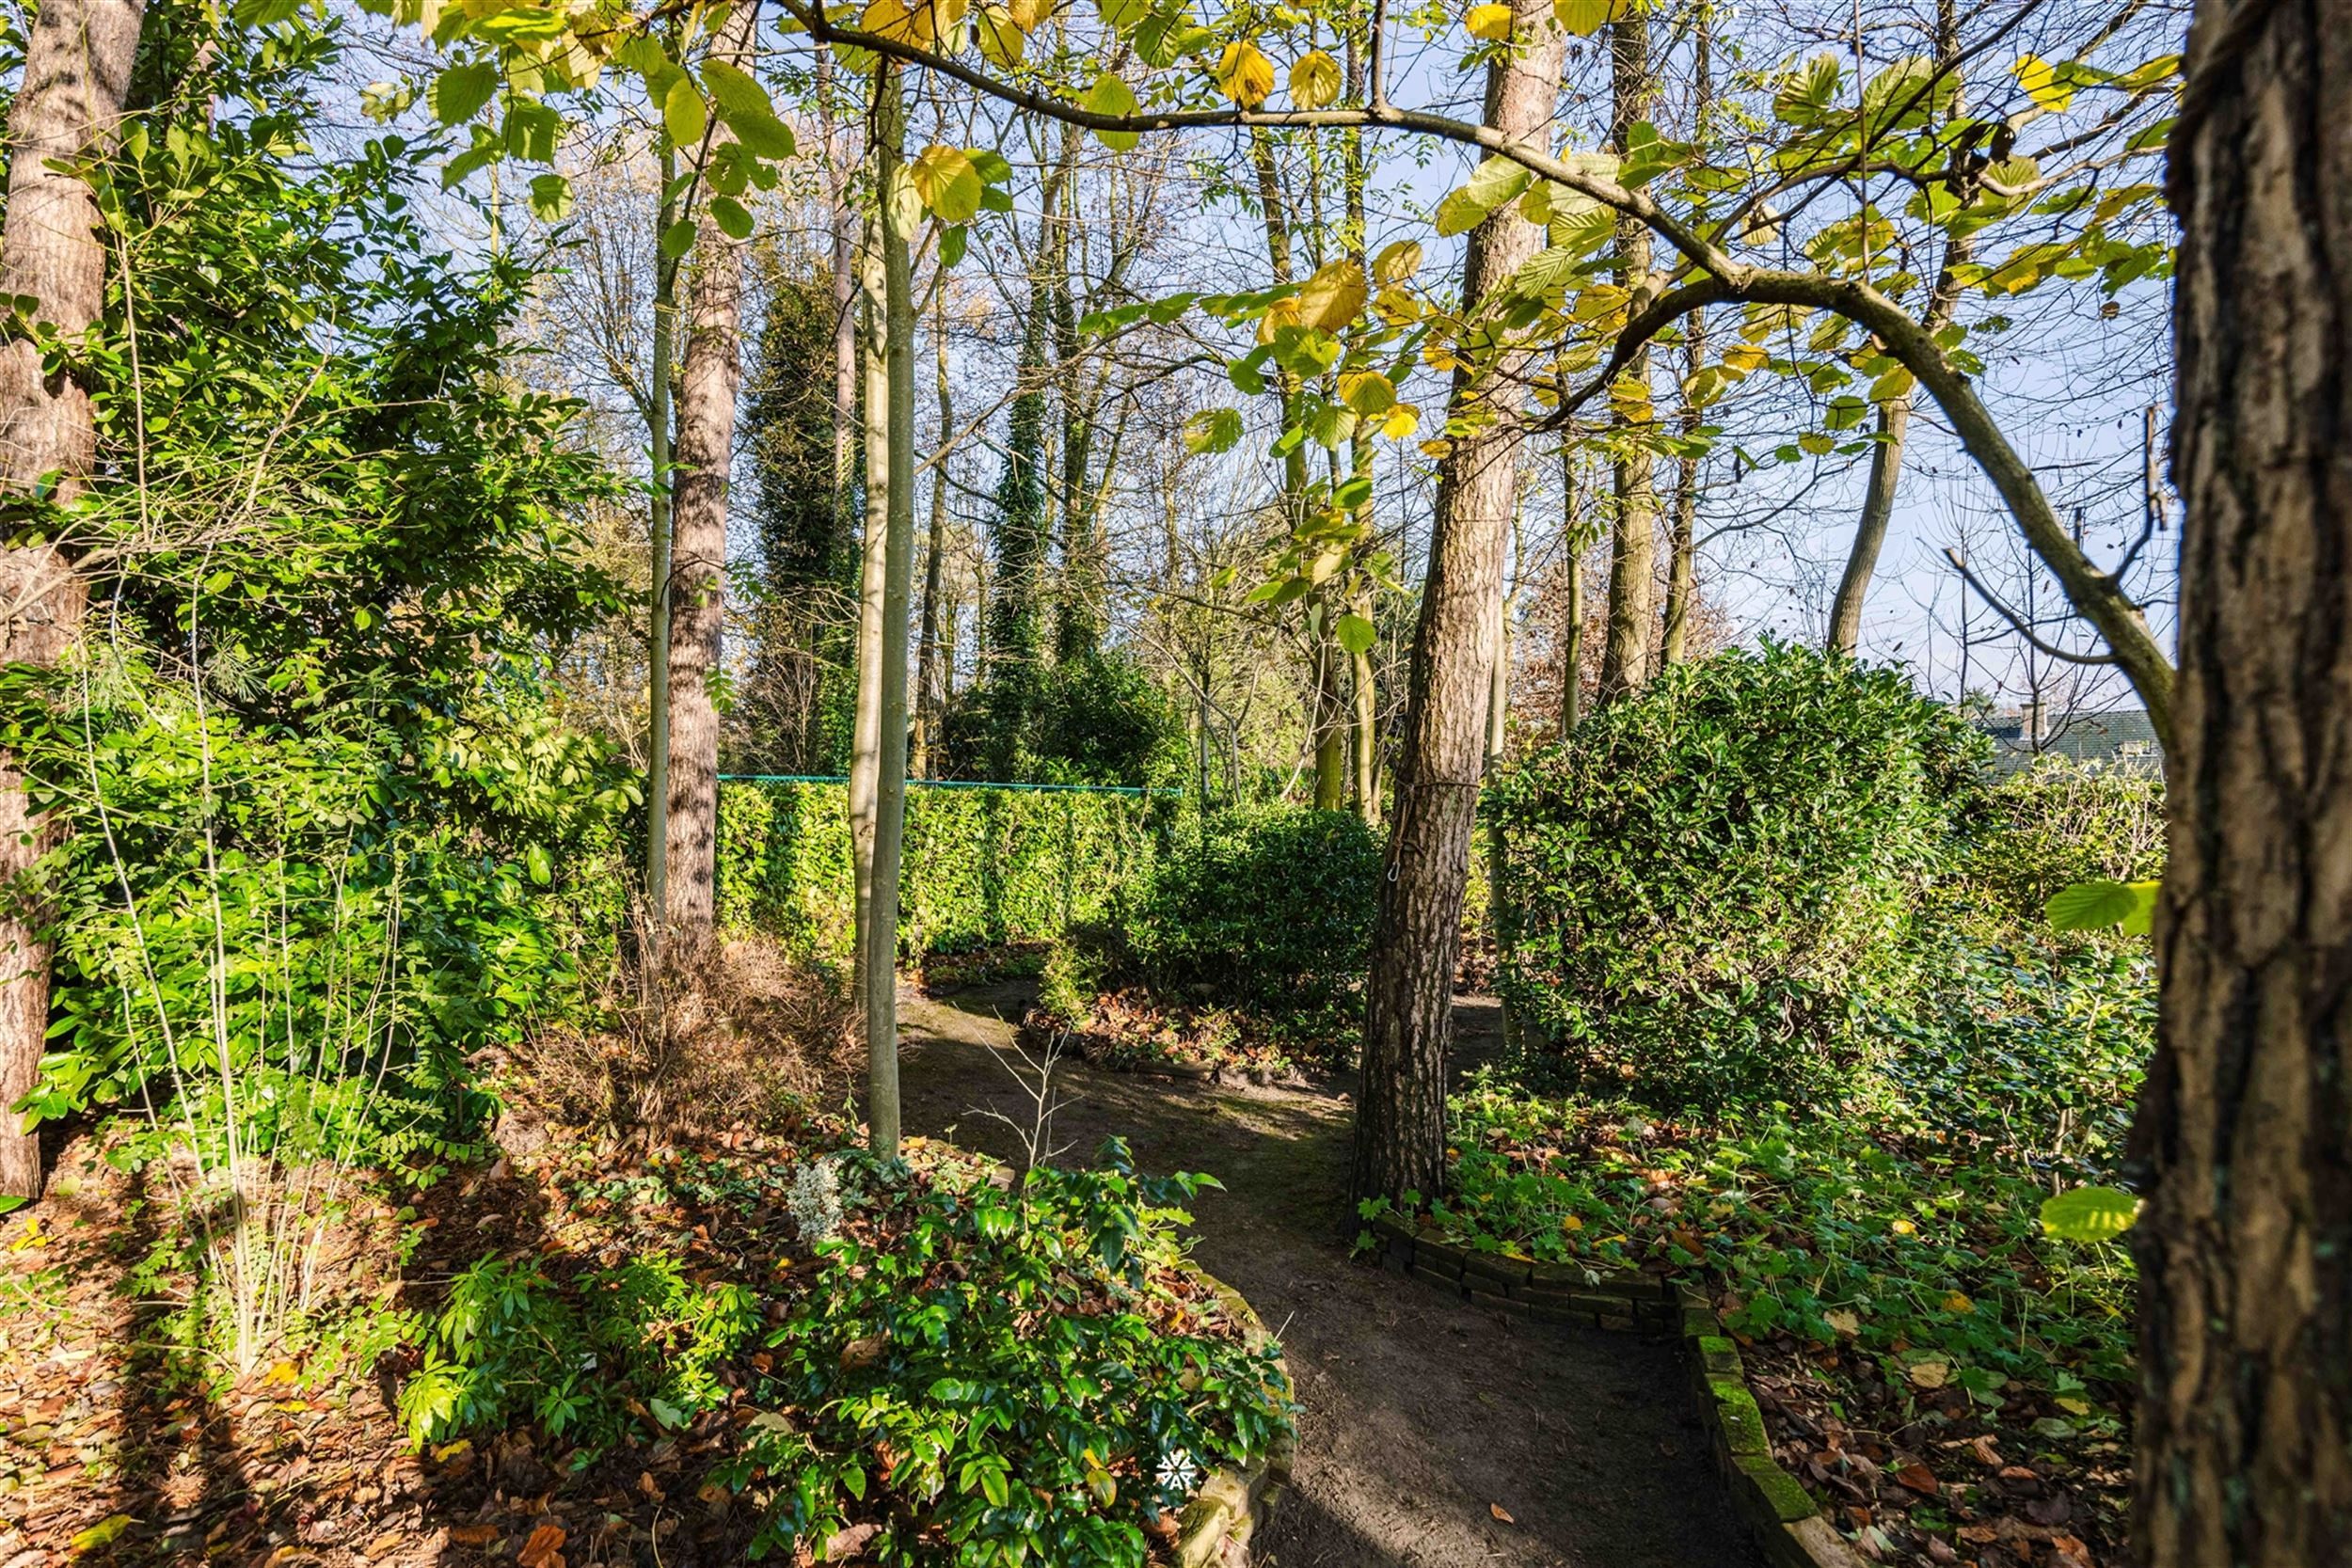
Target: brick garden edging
[
  {"x": 1787, "y": 1526},
  {"x": 1215, "y": 1527}
]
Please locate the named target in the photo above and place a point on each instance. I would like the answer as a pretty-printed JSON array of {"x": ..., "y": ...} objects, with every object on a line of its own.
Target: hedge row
[{"x": 981, "y": 865}]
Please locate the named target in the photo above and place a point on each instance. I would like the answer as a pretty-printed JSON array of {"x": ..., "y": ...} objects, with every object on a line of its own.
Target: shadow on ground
[{"x": 1426, "y": 1422}]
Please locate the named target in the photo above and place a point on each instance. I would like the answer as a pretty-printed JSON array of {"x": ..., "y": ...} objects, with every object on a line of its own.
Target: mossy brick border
[
  {"x": 1789, "y": 1527},
  {"x": 1215, "y": 1527}
]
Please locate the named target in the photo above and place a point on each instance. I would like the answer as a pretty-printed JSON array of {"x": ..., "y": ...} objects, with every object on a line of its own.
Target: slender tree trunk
[
  {"x": 1364, "y": 732},
  {"x": 1682, "y": 560},
  {"x": 1572, "y": 609},
  {"x": 1400, "y": 1118},
  {"x": 890, "y": 415},
  {"x": 866, "y": 724},
  {"x": 1894, "y": 415},
  {"x": 1625, "y": 664},
  {"x": 930, "y": 696},
  {"x": 77, "y": 72},
  {"x": 1363, "y": 718},
  {"x": 1331, "y": 713},
  {"x": 1682, "y": 566},
  {"x": 659, "y": 456},
  {"x": 2245, "y": 1252},
  {"x": 707, "y": 385}
]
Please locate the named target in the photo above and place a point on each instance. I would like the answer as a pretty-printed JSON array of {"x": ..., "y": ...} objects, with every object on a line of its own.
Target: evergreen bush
[{"x": 1713, "y": 887}]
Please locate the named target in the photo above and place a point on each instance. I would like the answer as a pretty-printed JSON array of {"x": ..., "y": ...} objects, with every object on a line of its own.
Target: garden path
[{"x": 1433, "y": 1434}]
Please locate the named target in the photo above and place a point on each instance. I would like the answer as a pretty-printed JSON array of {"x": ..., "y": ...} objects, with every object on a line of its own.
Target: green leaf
[
  {"x": 2093, "y": 906},
  {"x": 265, "y": 13},
  {"x": 459, "y": 93},
  {"x": 678, "y": 239},
  {"x": 550, "y": 198},
  {"x": 684, "y": 114},
  {"x": 2089, "y": 1214},
  {"x": 1356, "y": 634},
  {"x": 1494, "y": 183},
  {"x": 1212, "y": 430},
  {"x": 1112, "y": 96},
  {"x": 535, "y": 862},
  {"x": 731, "y": 216}
]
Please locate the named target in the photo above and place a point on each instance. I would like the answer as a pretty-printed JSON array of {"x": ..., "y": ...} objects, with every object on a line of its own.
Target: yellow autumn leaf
[
  {"x": 1281, "y": 314},
  {"x": 1929, "y": 1374},
  {"x": 948, "y": 181},
  {"x": 1397, "y": 308},
  {"x": 1437, "y": 448},
  {"x": 1904, "y": 1228},
  {"x": 1571, "y": 1221},
  {"x": 1314, "y": 80},
  {"x": 1028, "y": 15},
  {"x": 1397, "y": 262},
  {"x": 1959, "y": 1302},
  {"x": 1489, "y": 22},
  {"x": 1743, "y": 358},
  {"x": 1583, "y": 16},
  {"x": 1243, "y": 74},
  {"x": 1844, "y": 1322},
  {"x": 1002, "y": 41},
  {"x": 1334, "y": 297}
]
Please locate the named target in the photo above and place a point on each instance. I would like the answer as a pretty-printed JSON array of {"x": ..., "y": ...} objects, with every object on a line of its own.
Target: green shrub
[
  {"x": 982, "y": 867},
  {"x": 1269, "y": 908},
  {"x": 1004, "y": 1378},
  {"x": 511, "y": 1345},
  {"x": 2061, "y": 822},
  {"x": 1711, "y": 888}
]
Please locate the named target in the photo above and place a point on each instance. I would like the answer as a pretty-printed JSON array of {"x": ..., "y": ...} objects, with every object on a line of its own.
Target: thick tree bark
[
  {"x": 77, "y": 72},
  {"x": 890, "y": 516},
  {"x": 1400, "y": 1117},
  {"x": 2245, "y": 1251},
  {"x": 1626, "y": 654},
  {"x": 708, "y": 383},
  {"x": 1682, "y": 531}
]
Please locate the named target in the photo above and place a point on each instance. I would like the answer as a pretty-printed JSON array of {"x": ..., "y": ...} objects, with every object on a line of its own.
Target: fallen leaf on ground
[
  {"x": 1919, "y": 1478},
  {"x": 540, "y": 1546},
  {"x": 1500, "y": 1513}
]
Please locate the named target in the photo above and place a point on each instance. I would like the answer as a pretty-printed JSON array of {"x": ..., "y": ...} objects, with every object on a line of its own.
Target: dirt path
[{"x": 1423, "y": 1416}]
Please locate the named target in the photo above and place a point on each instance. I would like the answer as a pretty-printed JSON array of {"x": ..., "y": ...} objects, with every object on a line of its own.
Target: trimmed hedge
[{"x": 982, "y": 866}]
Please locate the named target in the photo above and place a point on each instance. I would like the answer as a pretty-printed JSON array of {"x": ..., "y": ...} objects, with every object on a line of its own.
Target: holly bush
[{"x": 1712, "y": 886}]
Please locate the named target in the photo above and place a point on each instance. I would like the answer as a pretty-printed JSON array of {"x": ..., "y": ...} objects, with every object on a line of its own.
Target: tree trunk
[
  {"x": 1869, "y": 534},
  {"x": 1682, "y": 560},
  {"x": 1894, "y": 417},
  {"x": 1682, "y": 563},
  {"x": 890, "y": 425},
  {"x": 708, "y": 384},
  {"x": 1400, "y": 1118},
  {"x": 2245, "y": 1252},
  {"x": 77, "y": 72},
  {"x": 1625, "y": 664},
  {"x": 1572, "y": 607},
  {"x": 929, "y": 694},
  {"x": 866, "y": 724},
  {"x": 659, "y": 456}
]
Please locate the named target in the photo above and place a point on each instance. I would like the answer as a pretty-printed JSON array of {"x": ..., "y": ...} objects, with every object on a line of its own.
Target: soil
[{"x": 1433, "y": 1434}]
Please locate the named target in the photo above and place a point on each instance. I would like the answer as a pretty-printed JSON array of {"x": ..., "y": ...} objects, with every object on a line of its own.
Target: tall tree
[
  {"x": 807, "y": 555},
  {"x": 930, "y": 695},
  {"x": 1400, "y": 1120},
  {"x": 1682, "y": 560},
  {"x": 2245, "y": 1125},
  {"x": 890, "y": 515},
  {"x": 1625, "y": 652},
  {"x": 78, "y": 62},
  {"x": 1894, "y": 414},
  {"x": 1016, "y": 616},
  {"x": 708, "y": 384}
]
